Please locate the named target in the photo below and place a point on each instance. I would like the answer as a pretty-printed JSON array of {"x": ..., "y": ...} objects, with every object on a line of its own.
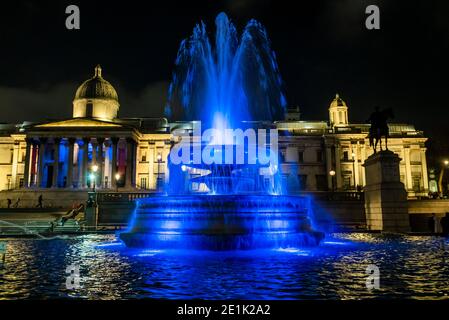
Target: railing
[
  {"x": 336, "y": 196},
  {"x": 132, "y": 196},
  {"x": 122, "y": 196}
]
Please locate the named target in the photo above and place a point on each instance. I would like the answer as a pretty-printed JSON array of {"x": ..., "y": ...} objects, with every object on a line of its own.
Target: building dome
[
  {"x": 96, "y": 88},
  {"x": 338, "y": 112},
  {"x": 337, "y": 102},
  {"x": 96, "y": 98}
]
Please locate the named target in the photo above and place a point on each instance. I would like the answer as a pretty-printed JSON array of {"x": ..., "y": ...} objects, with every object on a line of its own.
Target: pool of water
[{"x": 410, "y": 267}]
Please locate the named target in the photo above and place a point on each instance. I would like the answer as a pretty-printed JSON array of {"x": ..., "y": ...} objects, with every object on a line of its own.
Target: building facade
[
  {"x": 330, "y": 155},
  {"x": 96, "y": 148}
]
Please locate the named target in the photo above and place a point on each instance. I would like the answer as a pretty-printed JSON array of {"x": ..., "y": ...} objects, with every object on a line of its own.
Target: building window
[
  {"x": 302, "y": 181},
  {"x": 319, "y": 156},
  {"x": 89, "y": 109},
  {"x": 282, "y": 156},
  {"x": 144, "y": 156},
  {"x": 21, "y": 183},
  {"x": 347, "y": 182},
  {"x": 416, "y": 184},
  {"x": 346, "y": 155},
  {"x": 143, "y": 183},
  {"x": 8, "y": 179},
  {"x": 321, "y": 182},
  {"x": 301, "y": 157}
]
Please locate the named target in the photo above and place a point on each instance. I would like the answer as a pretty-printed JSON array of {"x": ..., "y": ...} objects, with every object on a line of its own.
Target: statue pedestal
[{"x": 386, "y": 206}]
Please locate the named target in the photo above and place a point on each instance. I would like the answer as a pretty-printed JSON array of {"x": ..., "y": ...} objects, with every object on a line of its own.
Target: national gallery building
[{"x": 96, "y": 148}]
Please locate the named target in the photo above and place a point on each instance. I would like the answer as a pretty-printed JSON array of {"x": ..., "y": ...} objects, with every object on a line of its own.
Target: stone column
[
  {"x": 424, "y": 170},
  {"x": 134, "y": 164},
  {"x": 338, "y": 167},
  {"x": 15, "y": 164},
  {"x": 54, "y": 183},
  {"x": 41, "y": 162},
  {"x": 33, "y": 164},
  {"x": 355, "y": 150},
  {"x": 70, "y": 163},
  {"x": 114, "y": 141},
  {"x": 85, "y": 170},
  {"x": 100, "y": 164},
  {"x": 329, "y": 166},
  {"x": 386, "y": 205},
  {"x": 363, "y": 151},
  {"x": 27, "y": 164},
  {"x": 129, "y": 162},
  {"x": 408, "y": 169}
]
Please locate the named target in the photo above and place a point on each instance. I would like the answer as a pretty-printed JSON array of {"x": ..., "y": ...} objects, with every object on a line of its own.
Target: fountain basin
[{"x": 221, "y": 222}]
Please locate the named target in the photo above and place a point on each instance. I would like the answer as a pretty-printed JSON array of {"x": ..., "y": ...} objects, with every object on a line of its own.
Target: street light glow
[
  {"x": 117, "y": 176},
  {"x": 94, "y": 168},
  {"x": 332, "y": 173}
]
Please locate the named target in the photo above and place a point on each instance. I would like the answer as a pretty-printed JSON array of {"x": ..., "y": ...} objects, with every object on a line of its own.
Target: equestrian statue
[{"x": 379, "y": 127}]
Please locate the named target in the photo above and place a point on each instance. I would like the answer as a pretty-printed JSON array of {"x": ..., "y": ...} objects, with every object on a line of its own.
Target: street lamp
[
  {"x": 332, "y": 174},
  {"x": 440, "y": 179},
  {"x": 93, "y": 176},
  {"x": 353, "y": 169},
  {"x": 117, "y": 178}
]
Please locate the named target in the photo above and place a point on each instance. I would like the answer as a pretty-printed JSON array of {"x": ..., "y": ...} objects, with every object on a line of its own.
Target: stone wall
[{"x": 56, "y": 198}]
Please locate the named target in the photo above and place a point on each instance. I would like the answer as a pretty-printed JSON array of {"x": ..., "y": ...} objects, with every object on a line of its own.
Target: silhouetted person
[
  {"x": 39, "y": 201},
  {"x": 445, "y": 224},
  {"x": 9, "y": 202},
  {"x": 16, "y": 204},
  {"x": 433, "y": 223}
]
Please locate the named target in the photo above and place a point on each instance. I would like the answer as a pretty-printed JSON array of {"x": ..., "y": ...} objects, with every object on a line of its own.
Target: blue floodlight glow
[{"x": 225, "y": 84}]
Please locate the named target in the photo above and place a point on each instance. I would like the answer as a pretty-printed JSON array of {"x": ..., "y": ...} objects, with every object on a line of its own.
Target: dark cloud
[
  {"x": 55, "y": 102},
  {"x": 322, "y": 48}
]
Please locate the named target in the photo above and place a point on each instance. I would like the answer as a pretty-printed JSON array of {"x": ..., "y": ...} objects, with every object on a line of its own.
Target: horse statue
[{"x": 379, "y": 127}]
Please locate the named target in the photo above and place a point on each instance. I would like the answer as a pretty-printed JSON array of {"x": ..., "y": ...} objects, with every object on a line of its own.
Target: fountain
[{"x": 236, "y": 204}]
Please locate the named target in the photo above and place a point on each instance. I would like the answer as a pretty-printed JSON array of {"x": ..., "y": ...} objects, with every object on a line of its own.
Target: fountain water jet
[{"x": 225, "y": 86}]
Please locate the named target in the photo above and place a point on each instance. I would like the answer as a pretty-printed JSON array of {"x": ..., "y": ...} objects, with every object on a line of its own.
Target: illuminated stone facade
[
  {"x": 312, "y": 149},
  {"x": 132, "y": 153},
  {"x": 126, "y": 153}
]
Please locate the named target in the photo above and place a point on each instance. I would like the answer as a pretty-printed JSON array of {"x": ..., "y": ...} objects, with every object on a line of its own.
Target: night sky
[{"x": 322, "y": 47}]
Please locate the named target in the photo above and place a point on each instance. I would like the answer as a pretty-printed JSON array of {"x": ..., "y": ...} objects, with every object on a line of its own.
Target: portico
[{"x": 63, "y": 154}]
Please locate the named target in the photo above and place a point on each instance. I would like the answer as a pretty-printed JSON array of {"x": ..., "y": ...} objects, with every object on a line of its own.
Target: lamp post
[
  {"x": 332, "y": 174},
  {"x": 93, "y": 176},
  {"x": 353, "y": 170},
  {"x": 117, "y": 178},
  {"x": 444, "y": 165}
]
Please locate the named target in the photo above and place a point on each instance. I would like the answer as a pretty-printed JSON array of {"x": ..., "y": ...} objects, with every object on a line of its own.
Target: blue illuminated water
[
  {"x": 226, "y": 80},
  {"x": 410, "y": 267}
]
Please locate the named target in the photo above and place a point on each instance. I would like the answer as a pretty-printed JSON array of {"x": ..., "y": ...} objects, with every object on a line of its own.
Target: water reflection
[{"x": 412, "y": 267}]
